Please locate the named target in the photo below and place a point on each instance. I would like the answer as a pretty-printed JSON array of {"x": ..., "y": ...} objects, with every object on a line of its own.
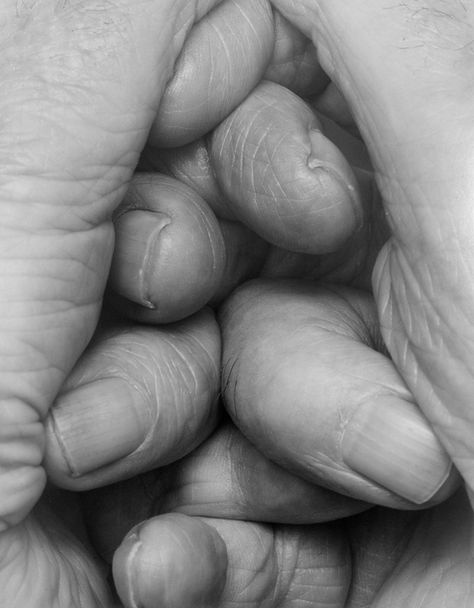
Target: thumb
[
  {"x": 81, "y": 86},
  {"x": 409, "y": 85}
]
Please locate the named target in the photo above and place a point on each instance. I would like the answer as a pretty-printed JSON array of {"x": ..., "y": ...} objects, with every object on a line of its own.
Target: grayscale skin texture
[{"x": 83, "y": 85}]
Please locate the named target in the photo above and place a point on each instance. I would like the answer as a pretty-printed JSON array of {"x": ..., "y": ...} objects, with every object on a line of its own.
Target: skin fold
[{"x": 218, "y": 86}]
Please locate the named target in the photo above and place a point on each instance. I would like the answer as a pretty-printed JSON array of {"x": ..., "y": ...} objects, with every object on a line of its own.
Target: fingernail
[
  {"x": 127, "y": 555},
  {"x": 326, "y": 156},
  {"x": 98, "y": 423},
  {"x": 136, "y": 253},
  {"x": 391, "y": 443}
]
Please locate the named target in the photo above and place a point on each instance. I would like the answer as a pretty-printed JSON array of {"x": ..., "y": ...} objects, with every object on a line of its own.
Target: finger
[
  {"x": 170, "y": 253},
  {"x": 225, "y": 477},
  {"x": 353, "y": 263},
  {"x": 82, "y": 82},
  {"x": 138, "y": 398},
  {"x": 245, "y": 256},
  {"x": 192, "y": 166},
  {"x": 174, "y": 560},
  {"x": 332, "y": 104},
  {"x": 303, "y": 382},
  {"x": 173, "y": 256},
  {"x": 223, "y": 59},
  {"x": 424, "y": 278},
  {"x": 254, "y": 44},
  {"x": 246, "y": 253},
  {"x": 284, "y": 178},
  {"x": 294, "y": 63}
]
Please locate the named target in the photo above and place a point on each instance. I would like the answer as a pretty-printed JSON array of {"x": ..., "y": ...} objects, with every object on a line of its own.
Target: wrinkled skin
[
  {"x": 378, "y": 558},
  {"x": 82, "y": 83},
  {"x": 423, "y": 277},
  {"x": 422, "y": 282},
  {"x": 422, "y": 558}
]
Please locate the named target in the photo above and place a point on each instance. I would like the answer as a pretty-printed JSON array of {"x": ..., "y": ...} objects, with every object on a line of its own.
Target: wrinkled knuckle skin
[{"x": 43, "y": 565}]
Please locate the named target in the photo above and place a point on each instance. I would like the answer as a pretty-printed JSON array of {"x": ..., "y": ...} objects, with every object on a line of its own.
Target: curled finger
[
  {"x": 179, "y": 561},
  {"x": 285, "y": 179},
  {"x": 303, "y": 379},
  {"x": 224, "y": 57},
  {"x": 139, "y": 397},
  {"x": 225, "y": 477},
  {"x": 169, "y": 256}
]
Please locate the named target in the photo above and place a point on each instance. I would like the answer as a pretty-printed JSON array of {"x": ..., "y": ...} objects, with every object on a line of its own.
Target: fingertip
[
  {"x": 138, "y": 237},
  {"x": 170, "y": 253},
  {"x": 227, "y": 54},
  {"x": 119, "y": 415},
  {"x": 284, "y": 178},
  {"x": 295, "y": 63},
  {"x": 339, "y": 196},
  {"x": 94, "y": 425},
  {"x": 317, "y": 352},
  {"x": 390, "y": 442},
  {"x": 192, "y": 166},
  {"x": 173, "y": 561}
]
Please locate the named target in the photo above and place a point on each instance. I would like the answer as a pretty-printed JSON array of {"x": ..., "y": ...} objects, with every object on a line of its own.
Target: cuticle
[
  {"x": 72, "y": 470},
  {"x": 148, "y": 261},
  {"x": 130, "y": 568}
]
